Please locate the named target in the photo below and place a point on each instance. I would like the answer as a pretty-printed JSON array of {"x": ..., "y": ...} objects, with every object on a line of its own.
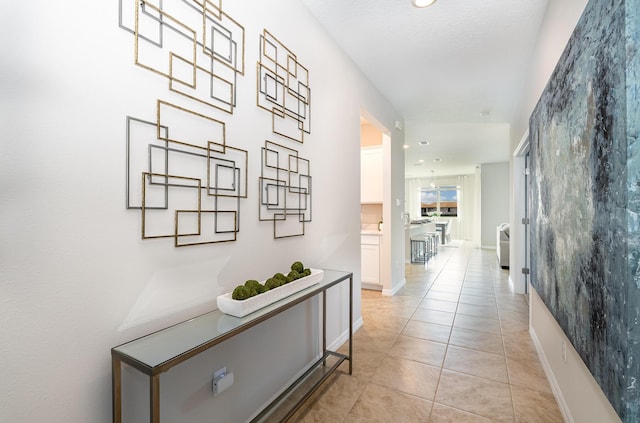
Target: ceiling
[{"x": 455, "y": 70}]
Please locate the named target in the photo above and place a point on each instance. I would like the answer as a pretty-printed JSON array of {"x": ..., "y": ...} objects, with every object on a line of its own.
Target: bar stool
[
  {"x": 423, "y": 247},
  {"x": 419, "y": 249},
  {"x": 435, "y": 238}
]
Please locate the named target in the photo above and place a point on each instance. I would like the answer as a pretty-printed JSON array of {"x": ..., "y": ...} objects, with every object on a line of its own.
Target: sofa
[{"x": 502, "y": 245}]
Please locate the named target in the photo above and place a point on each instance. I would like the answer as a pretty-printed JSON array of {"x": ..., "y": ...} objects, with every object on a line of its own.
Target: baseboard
[
  {"x": 371, "y": 286},
  {"x": 392, "y": 292},
  {"x": 344, "y": 336},
  {"x": 553, "y": 382}
]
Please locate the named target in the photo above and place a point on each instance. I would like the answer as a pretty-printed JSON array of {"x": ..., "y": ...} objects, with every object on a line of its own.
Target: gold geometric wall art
[
  {"x": 192, "y": 43},
  {"x": 285, "y": 190},
  {"x": 185, "y": 190},
  {"x": 283, "y": 89},
  {"x": 182, "y": 175}
]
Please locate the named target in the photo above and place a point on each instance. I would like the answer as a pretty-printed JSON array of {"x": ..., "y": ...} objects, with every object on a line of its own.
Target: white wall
[
  {"x": 77, "y": 279},
  {"x": 494, "y": 200},
  {"x": 559, "y": 22},
  {"x": 579, "y": 396}
]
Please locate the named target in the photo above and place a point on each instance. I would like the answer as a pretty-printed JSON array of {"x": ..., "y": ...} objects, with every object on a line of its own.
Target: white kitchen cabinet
[
  {"x": 370, "y": 256},
  {"x": 371, "y": 174}
]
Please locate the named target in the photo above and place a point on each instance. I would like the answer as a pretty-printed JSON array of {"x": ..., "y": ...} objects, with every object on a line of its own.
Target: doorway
[
  {"x": 520, "y": 239},
  {"x": 527, "y": 222}
]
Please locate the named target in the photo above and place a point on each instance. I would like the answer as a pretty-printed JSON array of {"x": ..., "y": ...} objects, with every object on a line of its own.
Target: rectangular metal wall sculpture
[
  {"x": 285, "y": 190},
  {"x": 283, "y": 89},
  {"x": 192, "y": 43},
  {"x": 584, "y": 137},
  {"x": 182, "y": 175},
  {"x": 285, "y": 182}
]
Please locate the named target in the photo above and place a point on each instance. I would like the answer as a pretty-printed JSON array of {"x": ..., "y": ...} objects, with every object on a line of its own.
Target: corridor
[{"x": 451, "y": 346}]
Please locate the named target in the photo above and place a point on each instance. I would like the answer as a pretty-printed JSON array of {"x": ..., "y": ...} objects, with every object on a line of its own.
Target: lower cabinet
[{"x": 370, "y": 252}]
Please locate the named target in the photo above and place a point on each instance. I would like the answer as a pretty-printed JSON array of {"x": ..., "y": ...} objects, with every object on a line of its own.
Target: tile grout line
[{"x": 446, "y": 350}]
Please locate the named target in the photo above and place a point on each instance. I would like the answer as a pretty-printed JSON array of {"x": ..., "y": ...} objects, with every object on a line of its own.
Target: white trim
[
  {"x": 553, "y": 382},
  {"x": 371, "y": 286},
  {"x": 523, "y": 145},
  {"x": 344, "y": 336},
  {"x": 394, "y": 291},
  {"x": 516, "y": 246}
]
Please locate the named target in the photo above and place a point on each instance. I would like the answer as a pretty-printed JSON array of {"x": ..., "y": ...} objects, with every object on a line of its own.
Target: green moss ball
[
  {"x": 293, "y": 275},
  {"x": 241, "y": 292},
  {"x": 297, "y": 266},
  {"x": 273, "y": 283},
  {"x": 252, "y": 283}
]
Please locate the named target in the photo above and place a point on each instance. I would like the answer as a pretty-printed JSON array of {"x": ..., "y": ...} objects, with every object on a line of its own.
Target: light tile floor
[{"x": 451, "y": 346}]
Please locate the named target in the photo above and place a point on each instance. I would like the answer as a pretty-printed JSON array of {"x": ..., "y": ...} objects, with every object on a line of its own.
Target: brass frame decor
[
  {"x": 285, "y": 190},
  {"x": 198, "y": 201},
  {"x": 283, "y": 89},
  {"x": 181, "y": 173},
  {"x": 194, "y": 44}
]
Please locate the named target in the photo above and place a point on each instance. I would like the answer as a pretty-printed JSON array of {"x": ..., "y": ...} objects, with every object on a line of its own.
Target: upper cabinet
[{"x": 371, "y": 174}]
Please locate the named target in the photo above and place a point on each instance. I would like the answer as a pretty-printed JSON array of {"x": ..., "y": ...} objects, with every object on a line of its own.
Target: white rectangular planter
[{"x": 240, "y": 308}]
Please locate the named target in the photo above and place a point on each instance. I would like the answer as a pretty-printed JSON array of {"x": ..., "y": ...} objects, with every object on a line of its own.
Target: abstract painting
[{"x": 586, "y": 198}]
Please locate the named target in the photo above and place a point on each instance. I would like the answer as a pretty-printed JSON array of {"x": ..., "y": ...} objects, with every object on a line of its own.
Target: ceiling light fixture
[
  {"x": 437, "y": 160},
  {"x": 405, "y": 146},
  {"x": 422, "y": 3},
  {"x": 423, "y": 143}
]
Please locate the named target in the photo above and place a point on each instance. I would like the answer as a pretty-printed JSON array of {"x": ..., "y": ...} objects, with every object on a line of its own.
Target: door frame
[{"x": 517, "y": 247}]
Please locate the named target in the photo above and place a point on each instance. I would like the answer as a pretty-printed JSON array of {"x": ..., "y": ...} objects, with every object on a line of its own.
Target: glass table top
[{"x": 211, "y": 328}]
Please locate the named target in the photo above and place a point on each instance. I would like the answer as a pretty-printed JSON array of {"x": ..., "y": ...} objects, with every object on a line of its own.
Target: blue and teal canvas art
[{"x": 584, "y": 136}]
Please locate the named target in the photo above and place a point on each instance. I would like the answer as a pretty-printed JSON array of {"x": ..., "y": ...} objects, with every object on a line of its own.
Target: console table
[{"x": 158, "y": 352}]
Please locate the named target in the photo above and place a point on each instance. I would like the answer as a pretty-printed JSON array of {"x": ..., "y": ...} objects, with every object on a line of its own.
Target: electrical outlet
[
  {"x": 220, "y": 372},
  {"x": 564, "y": 351},
  {"x": 221, "y": 381}
]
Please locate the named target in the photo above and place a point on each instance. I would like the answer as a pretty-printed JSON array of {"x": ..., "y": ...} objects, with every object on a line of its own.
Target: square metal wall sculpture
[
  {"x": 194, "y": 44},
  {"x": 188, "y": 191},
  {"x": 283, "y": 89},
  {"x": 584, "y": 137},
  {"x": 182, "y": 175},
  {"x": 285, "y": 190}
]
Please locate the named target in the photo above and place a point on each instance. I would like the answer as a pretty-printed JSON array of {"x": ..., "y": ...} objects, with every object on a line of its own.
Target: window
[{"x": 443, "y": 200}]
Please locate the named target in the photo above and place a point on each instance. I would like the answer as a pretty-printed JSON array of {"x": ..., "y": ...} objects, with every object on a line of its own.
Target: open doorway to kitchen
[
  {"x": 375, "y": 207},
  {"x": 371, "y": 204}
]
